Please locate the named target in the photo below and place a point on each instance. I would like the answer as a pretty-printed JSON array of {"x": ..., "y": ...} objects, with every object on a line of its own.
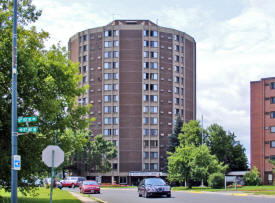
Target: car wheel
[
  {"x": 139, "y": 194},
  {"x": 168, "y": 195},
  {"x": 73, "y": 186},
  {"x": 146, "y": 195}
]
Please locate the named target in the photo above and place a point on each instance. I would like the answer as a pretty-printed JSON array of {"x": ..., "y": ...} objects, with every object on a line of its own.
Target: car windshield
[
  {"x": 72, "y": 178},
  {"x": 90, "y": 183},
  {"x": 155, "y": 181}
]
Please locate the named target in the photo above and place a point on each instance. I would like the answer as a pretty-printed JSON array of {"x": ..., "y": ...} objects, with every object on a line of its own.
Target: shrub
[
  {"x": 252, "y": 177},
  {"x": 216, "y": 180}
]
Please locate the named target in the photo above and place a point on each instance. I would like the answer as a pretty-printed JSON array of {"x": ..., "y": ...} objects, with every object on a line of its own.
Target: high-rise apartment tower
[
  {"x": 141, "y": 77},
  {"x": 262, "y": 126}
]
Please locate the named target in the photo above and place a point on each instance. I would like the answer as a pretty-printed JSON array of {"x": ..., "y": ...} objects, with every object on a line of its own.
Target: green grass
[{"x": 43, "y": 195}]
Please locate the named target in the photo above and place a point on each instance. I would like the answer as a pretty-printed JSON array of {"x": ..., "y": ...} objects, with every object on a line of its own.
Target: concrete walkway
[{"x": 83, "y": 199}]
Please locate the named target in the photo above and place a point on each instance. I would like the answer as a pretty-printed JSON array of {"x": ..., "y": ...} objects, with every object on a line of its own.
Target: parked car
[
  {"x": 72, "y": 181},
  {"x": 153, "y": 186},
  {"x": 89, "y": 186}
]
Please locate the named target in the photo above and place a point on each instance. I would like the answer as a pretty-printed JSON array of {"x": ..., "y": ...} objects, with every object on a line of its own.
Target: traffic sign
[
  {"x": 27, "y": 119},
  {"x": 28, "y": 129},
  {"x": 47, "y": 157},
  {"x": 16, "y": 162}
]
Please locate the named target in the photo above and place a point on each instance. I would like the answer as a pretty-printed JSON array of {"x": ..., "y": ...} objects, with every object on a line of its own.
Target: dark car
[
  {"x": 89, "y": 186},
  {"x": 153, "y": 186}
]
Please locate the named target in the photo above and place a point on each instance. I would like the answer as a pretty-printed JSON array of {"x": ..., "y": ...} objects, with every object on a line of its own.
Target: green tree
[
  {"x": 191, "y": 133},
  {"x": 252, "y": 177},
  {"x": 192, "y": 163},
  {"x": 173, "y": 139},
  {"x": 226, "y": 148},
  {"x": 47, "y": 87}
]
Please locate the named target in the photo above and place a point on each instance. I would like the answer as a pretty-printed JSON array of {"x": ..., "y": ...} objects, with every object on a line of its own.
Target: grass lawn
[
  {"x": 257, "y": 190},
  {"x": 59, "y": 196}
]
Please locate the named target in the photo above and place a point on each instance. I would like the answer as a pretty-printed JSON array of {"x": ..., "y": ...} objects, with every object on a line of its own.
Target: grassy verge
[{"x": 42, "y": 196}]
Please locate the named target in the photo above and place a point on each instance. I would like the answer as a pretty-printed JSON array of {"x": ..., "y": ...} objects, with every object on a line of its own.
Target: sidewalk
[{"x": 83, "y": 199}]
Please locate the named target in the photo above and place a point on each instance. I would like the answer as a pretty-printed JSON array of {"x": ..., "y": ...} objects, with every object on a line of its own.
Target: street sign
[
  {"x": 28, "y": 129},
  {"x": 16, "y": 162},
  {"x": 27, "y": 119},
  {"x": 58, "y": 157}
]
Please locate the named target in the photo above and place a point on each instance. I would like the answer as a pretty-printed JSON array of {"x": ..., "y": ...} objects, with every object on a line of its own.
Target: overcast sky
[{"x": 235, "y": 45}]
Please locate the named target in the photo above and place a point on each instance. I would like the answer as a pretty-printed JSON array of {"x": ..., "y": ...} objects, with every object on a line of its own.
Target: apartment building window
[
  {"x": 182, "y": 101},
  {"x": 107, "y": 54},
  {"x": 146, "y": 43},
  {"x": 115, "y": 98},
  {"x": 182, "y": 91},
  {"x": 84, "y": 37},
  {"x": 182, "y": 59},
  {"x": 108, "y": 87},
  {"x": 108, "y": 44},
  {"x": 272, "y": 129},
  {"x": 182, "y": 39},
  {"x": 85, "y": 48},
  {"x": 146, "y": 143},
  {"x": 115, "y": 54},
  {"x": 116, "y": 33},
  {"x": 177, "y": 48},
  {"x": 153, "y": 43},
  {"x": 182, "y": 81},
  {"x": 153, "y": 143},
  {"x": 115, "y": 86},
  {"x": 177, "y": 58},
  {"x": 114, "y": 166},
  {"x": 152, "y": 98},
  {"x": 153, "y": 155},
  {"x": 115, "y": 43},
  {"x": 151, "y": 109},
  {"x": 107, "y": 132},
  {"x": 108, "y": 76},
  {"x": 182, "y": 49},
  {"x": 272, "y": 85},
  {"x": 84, "y": 69},
  {"x": 145, "y": 33},
  {"x": 146, "y": 132},
  {"x": 115, "y": 120},
  {"x": 84, "y": 101},
  {"x": 107, "y": 65},
  {"x": 107, "y": 120},
  {"x": 272, "y": 114},
  {"x": 115, "y": 65},
  {"x": 84, "y": 79},
  {"x": 154, "y": 65},
  {"x": 176, "y": 111},
  {"x": 152, "y": 120},
  {"x": 272, "y": 157},
  {"x": 177, "y": 69},
  {"x": 153, "y": 76},
  {"x": 115, "y": 109},
  {"x": 145, "y": 155},
  {"x": 146, "y": 166},
  {"x": 272, "y": 100},
  {"x": 176, "y": 37},
  {"x": 79, "y": 39},
  {"x": 153, "y": 132},
  {"x": 107, "y": 98},
  {"x": 177, "y": 100},
  {"x": 177, "y": 79},
  {"x": 153, "y": 166},
  {"x": 107, "y": 109},
  {"x": 182, "y": 70},
  {"x": 154, "y": 54},
  {"x": 146, "y": 54},
  {"x": 115, "y": 76},
  {"x": 108, "y": 33},
  {"x": 84, "y": 58},
  {"x": 146, "y": 65},
  {"x": 177, "y": 90},
  {"x": 272, "y": 144},
  {"x": 115, "y": 131}
]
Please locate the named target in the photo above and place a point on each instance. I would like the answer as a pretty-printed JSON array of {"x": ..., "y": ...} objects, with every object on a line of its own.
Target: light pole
[
  {"x": 202, "y": 185},
  {"x": 14, "y": 175}
]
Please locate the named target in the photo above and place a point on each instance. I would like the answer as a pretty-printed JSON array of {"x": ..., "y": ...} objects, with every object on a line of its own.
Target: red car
[
  {"x": 89, "y": 186},
  {"x": 72, "y": 181}
]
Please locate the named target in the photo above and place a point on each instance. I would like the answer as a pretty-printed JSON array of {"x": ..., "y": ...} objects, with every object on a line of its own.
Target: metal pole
[
  {"x": 202, "y": 185},
  {"x": 14, "y": 175},
  {"x": 51, "y": 198}
]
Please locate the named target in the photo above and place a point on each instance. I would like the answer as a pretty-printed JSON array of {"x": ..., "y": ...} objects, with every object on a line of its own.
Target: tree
[
  {"x": 47, "y": 87},
  {"x": 190, "y": 163},
  {"x": 226, "y": 148},
  {"x": 191, "y": 133},
  {"x": 173, "y": 139}
]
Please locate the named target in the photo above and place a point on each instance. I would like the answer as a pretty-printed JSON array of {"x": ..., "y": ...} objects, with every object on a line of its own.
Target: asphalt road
[{"x": 131, "y": 196}]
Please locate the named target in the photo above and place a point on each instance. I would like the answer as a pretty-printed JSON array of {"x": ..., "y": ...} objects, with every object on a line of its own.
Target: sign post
[{"x": 52, "y": 156}]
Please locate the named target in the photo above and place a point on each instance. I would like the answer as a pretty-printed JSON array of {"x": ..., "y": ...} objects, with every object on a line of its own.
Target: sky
[{"x": 235, "y": 45}]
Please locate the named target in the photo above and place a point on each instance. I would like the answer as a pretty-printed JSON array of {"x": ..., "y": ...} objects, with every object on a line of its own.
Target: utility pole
[
  {"x": 14, "y": 175},
  {"x": 202, "y": 142}
]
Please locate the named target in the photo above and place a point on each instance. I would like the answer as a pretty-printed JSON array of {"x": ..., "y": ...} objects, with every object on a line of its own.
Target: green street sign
[
  {"x": 27, "y": 119},
  {"x": 28, "y": 129}
]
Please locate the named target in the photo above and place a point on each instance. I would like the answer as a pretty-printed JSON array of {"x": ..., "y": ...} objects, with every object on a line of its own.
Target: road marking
[
  {"x": 238, "y": 194},
  {"x": 194, "y": 192}
]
